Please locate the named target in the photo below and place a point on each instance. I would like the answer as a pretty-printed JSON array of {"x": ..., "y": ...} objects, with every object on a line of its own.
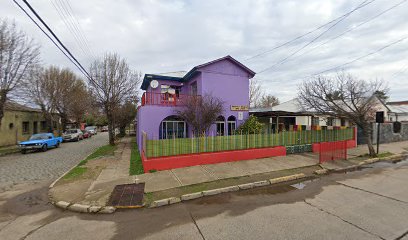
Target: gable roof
[
  {"x": 14, "y": 106},
  {"x": 183, "y": 76},
  {"x": 398, "y": 103},
  {"x": 228, "y": 57}
]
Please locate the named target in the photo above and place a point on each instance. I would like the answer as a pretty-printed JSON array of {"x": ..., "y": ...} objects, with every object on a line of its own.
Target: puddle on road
[{"x": 298, "y": 185}]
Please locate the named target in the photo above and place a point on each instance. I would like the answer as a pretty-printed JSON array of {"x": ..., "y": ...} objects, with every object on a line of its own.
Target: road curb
[
  {"x": 234, "y": 188},
  {"x": 394, "y": 158},
  {"x": 77, "y": 207}
]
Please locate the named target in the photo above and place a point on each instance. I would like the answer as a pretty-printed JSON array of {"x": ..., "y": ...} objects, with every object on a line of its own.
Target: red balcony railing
[{"x": 164, "y": 99}]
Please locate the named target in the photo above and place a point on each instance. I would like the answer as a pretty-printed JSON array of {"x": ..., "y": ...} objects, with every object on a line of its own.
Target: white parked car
[
  {"x": 73, "y": 135},
  {"x": 92, "y": 130}
]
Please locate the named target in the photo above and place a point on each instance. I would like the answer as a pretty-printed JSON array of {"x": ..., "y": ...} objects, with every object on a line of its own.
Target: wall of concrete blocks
[{"x": 388, "y": 135}]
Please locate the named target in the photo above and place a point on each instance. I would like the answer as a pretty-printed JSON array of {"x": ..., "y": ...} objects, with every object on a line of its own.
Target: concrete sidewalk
[
  {"x": 205, "y": 173},
  {"x": 167, "y": 179},
  {"x": 96, "y": 192}
]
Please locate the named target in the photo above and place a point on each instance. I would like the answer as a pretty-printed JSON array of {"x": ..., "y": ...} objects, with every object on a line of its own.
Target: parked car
[
  {"x": 92, "y": 130},
  {"x": 86, "y": 134},
  {"x": 73, "y": 135},
  {"x": 40, "y": 141},
  {"x": 104, "y": 129}
]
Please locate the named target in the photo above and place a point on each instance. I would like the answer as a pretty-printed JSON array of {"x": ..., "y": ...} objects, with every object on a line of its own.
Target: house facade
[
  {"x": 165, "y": 94},
  {"x": 20, "y": 122},
  {"x": 290, "y": 114},
  {"x": 398, "y": 111}
]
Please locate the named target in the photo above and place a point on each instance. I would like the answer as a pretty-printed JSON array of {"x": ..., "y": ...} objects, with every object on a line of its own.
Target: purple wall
[{"x": 223, "y": 79}]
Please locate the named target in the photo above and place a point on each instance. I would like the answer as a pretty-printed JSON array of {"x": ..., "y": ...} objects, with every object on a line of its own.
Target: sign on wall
[
  {"x": 239, "y": 108},
  {"x": 240, "y": 116}
]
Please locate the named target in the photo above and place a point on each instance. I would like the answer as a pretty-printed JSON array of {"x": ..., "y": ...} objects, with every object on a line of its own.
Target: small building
[
  {"x": 398, "y": 111},
  {"x": 224, "y": 78},
  {"x": 291, "y": 114},
  {"x": 20, "y": 122}
]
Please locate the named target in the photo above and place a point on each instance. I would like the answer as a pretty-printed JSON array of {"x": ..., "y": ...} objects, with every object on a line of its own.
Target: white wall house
[{"x": 292, "y": 113}]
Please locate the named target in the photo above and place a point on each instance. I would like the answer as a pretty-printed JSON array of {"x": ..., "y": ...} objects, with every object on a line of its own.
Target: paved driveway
[{"x": 18, "y": 168}]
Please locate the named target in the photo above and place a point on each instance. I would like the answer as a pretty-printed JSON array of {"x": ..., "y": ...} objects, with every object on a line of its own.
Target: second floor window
[{"x": 194, "y": 88}]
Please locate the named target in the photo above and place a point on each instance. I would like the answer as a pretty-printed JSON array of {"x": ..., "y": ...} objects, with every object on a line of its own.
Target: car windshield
[
  {"x": 89, "y": 128},
  {"x": 71, "y": 131},
  {"x": 39, "y": 136}
]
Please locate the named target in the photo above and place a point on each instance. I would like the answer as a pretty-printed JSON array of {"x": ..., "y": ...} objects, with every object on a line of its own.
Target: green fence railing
[{"x": 178, "y": 146}]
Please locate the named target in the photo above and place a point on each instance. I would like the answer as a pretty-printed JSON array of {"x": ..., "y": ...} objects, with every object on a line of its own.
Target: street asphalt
[
  {"x": 367, "y": 204},
  {"x": 37, "y": 166}
]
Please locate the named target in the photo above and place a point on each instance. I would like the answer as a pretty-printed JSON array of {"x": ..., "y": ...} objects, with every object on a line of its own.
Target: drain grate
[{"x": 127, "y": 196}]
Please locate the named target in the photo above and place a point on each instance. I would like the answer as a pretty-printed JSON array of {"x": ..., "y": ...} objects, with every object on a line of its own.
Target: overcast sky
[{"x": 161, "y": 36}]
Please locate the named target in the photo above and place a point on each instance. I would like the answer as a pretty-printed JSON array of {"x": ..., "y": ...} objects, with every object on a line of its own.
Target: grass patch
[
  {"x": 80, "y": 170},
  {"x": 136, "y": 166},
  {"x": 75, "y": 173},
  {"x": 367, "y": 156},
  {"x": 107, "y": 150},
  {"x": 385, "y": 154}
]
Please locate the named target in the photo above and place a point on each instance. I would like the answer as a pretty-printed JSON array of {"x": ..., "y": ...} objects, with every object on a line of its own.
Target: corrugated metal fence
[{"x": 202, "y": 144}]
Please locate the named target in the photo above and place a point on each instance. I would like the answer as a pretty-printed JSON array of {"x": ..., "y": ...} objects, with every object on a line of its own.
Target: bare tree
[
  {"x": 268, "y": 101},
  {"x": 112, "y": 83},
  {"x": 18, "y": 55},
  {"x": 343, "y": 96},
  {"x": 255, "y": 92},
  {"x": 126, "y": 114},
  {"x": 72, "y": 99},
  {"x": 79, "y": 101},
  {"x": 43, "y": 90},
  {"x": 201, "y": 112}
]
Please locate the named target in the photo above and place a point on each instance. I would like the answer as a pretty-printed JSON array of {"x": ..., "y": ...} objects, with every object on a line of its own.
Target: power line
[
  {"x": 364, "y": 56},
  {"x": 310, "y": 32},
  {"x": 67, "y": 6},
  {"x": 68, "y": 24},
  {"x": 87, "y": 75},
  {"x": 314, "y": 39},
  {"x": 401, "y": 71},
  {"x": 48, "y": 36},
  {"x": 351, "y": 29}
]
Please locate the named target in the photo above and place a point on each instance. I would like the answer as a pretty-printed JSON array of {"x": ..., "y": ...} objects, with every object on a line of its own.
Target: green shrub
[{"x": 251, "y": 125}]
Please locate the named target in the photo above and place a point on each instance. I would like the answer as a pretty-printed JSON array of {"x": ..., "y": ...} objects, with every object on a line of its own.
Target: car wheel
[
  {"x": 57, "y": 146},
  {"x": 44, "y": 148},
  {"x": 77, "y": 139},
  {"x": 23, "y": 151}
]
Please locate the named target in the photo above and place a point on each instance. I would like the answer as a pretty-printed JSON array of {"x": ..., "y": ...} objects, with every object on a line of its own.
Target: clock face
[{"x": 154, "y": 84}]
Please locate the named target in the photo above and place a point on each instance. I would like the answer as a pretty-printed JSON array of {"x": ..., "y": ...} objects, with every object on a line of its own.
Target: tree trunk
[
  {"x": 111, "y": 130},
  {"x": 3, "y": 97},
  {"x": 368, "y": 134},
  {"x": 64, "y": 121},
  {"x": 122, "y": 130}
]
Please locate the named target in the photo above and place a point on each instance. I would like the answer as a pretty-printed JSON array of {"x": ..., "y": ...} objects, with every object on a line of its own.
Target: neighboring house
[
  {"x": 291, "y": 114},
  {"x": 398, "y": 111},
  {"x": 19, "y": 123},
  {"x": 225, "y": 78}
]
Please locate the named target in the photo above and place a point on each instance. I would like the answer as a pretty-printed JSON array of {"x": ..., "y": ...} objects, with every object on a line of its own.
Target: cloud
[{"x": 171, "y": 35}]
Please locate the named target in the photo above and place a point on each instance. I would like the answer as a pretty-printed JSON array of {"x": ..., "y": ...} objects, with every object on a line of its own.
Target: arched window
[
  {"x": 173, "y": 127},
  {"x": 232, "y": 125},
  {"x": 220, "y": 122}
]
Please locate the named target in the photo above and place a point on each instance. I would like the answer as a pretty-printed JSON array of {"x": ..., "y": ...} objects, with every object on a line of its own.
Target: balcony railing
[{"x": 164, "y": 99}]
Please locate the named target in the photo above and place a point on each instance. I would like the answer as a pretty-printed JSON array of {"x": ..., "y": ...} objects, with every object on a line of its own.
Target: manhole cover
[{"x": 127, "y": 196}]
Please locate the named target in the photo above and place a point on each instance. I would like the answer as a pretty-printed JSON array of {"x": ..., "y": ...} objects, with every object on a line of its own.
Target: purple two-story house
[{"x": 225, "y": 78}]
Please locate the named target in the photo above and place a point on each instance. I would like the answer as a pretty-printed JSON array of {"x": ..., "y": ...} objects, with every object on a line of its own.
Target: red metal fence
[
  {"x": 164, "y": 99},
  {"x": 330, "y": 151}
]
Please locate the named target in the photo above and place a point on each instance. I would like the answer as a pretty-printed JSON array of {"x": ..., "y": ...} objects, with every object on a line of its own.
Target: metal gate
[{"x": 330, "y": 151}]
